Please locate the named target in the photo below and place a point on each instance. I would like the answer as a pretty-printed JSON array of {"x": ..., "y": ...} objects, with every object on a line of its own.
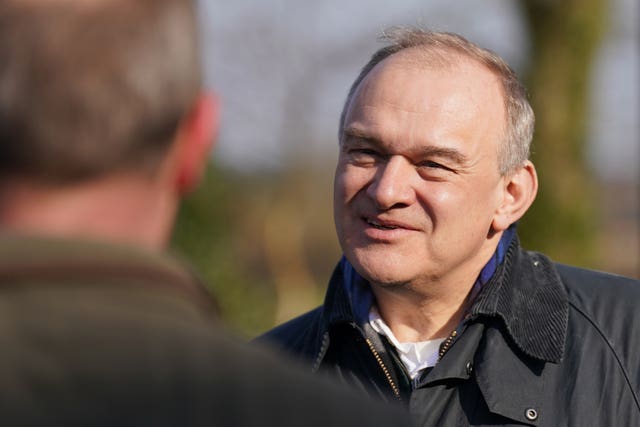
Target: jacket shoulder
[
  {"x": 603, "y": 298},
  {"x": 298, "y": 336},
  {"x": 603, "y": 312},
  {"x": 589, "y": 287}
]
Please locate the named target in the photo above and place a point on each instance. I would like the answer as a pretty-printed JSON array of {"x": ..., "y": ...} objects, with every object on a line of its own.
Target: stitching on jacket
[{"x": 615, "y": 353}]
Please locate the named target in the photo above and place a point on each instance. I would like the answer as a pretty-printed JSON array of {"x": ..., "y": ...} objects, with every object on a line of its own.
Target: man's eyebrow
[
  {"x": 449, "y": 153},
  {"x": 425, "y": 151},
  {"x": 352, "y": 132}
]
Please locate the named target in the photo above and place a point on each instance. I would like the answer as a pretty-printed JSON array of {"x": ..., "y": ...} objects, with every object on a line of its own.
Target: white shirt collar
[{"x": 416, "y": 356}]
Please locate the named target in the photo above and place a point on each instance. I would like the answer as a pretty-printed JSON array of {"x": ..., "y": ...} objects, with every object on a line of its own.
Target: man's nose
[{"x": 392, "y": 184}]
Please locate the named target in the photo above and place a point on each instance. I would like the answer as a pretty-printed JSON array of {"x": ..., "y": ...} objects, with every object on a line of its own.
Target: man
[
  {"x": 434, "y": 303},
  {"x": 103, "y": 127}
]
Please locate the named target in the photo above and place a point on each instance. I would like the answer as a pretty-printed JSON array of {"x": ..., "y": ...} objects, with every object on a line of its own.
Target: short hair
[
  {"x": 520, "y": 119},
  {"x": 92, "y": 87}
]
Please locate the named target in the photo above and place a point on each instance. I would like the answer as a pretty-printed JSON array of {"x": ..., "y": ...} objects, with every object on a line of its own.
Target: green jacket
[{"x": 93, "y": 334}]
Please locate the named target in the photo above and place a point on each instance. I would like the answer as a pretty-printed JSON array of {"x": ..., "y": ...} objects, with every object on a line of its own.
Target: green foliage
[
  {"x": 206, "y": 233},
  {"x": 264, "y": 243}
]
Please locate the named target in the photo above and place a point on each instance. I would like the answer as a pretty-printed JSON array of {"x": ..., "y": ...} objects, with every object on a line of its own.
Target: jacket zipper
[
  {"x": 325, "y": 345},
  {"x": 323, "y": 350},
  {"x": 447, "y": 344},
  {"x": 392, "y": 383},
  {"x": 443, "y": 349}
]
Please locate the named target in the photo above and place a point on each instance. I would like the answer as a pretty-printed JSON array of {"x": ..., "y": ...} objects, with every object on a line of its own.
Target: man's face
[{"x": 417, "y": 183}]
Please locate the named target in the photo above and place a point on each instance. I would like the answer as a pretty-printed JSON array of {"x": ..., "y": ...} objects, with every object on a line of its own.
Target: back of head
[
  {"x": 440, "y": 49},
  {"x": 91, "y": 87}
]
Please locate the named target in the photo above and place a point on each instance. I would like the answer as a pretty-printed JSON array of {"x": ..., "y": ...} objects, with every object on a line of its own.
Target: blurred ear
[
  {"x": 195, "y": 138},
  {"x": 520, "y": 189}
]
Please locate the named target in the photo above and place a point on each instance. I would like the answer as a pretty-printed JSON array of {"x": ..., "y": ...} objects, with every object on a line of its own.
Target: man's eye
[
  {"x": 363, "y": 154},
  {"x": 433, "y": 165},
  {"x": 433, "y": 170},
  {"x": 365, "y": 151}
]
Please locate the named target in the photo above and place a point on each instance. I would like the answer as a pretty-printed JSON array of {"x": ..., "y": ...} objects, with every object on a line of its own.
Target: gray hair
[
  {"x": 438, "y": 46},
  {"x": 87, "y": 88}
]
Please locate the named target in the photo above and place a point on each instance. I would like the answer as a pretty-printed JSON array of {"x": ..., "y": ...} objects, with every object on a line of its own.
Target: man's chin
[{"x": 381, "y": 271}]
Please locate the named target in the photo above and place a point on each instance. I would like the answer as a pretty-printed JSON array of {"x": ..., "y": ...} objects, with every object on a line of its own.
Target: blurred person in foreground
[
  {"x": 435, "y": 303},
  {"x": 103, "y": 128}
]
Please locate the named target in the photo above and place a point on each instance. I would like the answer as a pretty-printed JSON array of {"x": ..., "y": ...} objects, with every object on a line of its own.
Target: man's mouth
[{"x": 380, "y": 226}]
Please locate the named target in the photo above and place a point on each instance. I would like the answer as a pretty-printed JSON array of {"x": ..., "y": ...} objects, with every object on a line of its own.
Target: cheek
[
  {"x": 448, "y": 204},
  {"x": 349, "y": 181},
  {"x": 341, "y": 196},
  {"x": 473, "y": 207},
  {"x": 438, "y": 198}
]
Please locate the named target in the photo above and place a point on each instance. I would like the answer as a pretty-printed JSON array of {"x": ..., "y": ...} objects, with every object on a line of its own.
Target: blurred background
[{"x": 261, "y": 228}]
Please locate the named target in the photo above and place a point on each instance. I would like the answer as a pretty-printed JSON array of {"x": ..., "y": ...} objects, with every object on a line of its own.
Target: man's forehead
[
  {"x": 410, "y": 80},
  {"x": 403, "y": 98},
  {"x": 405, "y": 77}
]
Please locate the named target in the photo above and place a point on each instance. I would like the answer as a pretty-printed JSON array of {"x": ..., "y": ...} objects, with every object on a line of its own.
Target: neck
[
  {"x": 121, "y": 209},
  {"x": 413, "y": 317}
]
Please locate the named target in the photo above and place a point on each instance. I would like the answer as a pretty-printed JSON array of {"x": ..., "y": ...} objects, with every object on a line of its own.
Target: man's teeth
[{"x": 381, "y": 227}]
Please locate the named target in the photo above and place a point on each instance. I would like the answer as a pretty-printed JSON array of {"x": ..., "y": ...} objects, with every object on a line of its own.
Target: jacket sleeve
[{"x": 299, "y": 338}]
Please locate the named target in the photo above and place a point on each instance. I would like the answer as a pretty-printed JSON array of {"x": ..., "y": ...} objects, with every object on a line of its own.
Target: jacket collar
[
  {"x": 525, "y": 293},
  {"x": 53, "y": 259},
  {"x": 337, "y": 306}
]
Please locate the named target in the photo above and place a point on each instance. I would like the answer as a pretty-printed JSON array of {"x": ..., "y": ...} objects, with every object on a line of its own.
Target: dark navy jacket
[{"x": 543, "y": 344}]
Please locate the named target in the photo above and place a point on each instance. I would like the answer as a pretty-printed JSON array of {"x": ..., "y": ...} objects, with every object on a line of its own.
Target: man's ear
[
  {"x": 520, "y": 189},
  {"x": 195, "y": 137}
]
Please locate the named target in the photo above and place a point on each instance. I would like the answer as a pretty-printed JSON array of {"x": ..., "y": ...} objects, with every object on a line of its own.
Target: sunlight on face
[{"x": 417, "y": 182}]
